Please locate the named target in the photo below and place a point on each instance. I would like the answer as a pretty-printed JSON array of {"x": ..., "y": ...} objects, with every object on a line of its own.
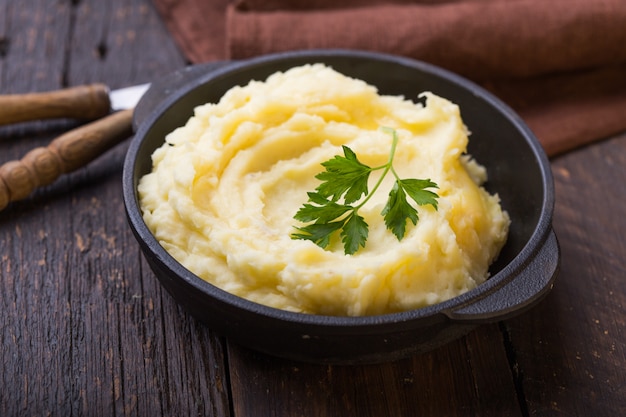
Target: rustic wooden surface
[{"x": 86, "y": 329}]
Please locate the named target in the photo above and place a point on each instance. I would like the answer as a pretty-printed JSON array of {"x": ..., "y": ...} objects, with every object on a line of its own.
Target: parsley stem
[{"x": 388, "y": 166}]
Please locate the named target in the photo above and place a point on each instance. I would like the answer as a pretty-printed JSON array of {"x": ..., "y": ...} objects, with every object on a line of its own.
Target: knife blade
[
  {"x": 86, "y": 102},
  {"x": 75, "y": 148},
  {"x": 127, "y": 97}
]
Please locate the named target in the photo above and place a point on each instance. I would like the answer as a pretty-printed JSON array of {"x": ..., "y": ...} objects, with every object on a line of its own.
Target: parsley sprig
[{"x": 345, "y": 176}]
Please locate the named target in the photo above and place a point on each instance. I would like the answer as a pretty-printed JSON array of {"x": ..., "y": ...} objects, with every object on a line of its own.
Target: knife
[
  {"x": 88, "y": 102},
  {"x": 77, "y": 147}
]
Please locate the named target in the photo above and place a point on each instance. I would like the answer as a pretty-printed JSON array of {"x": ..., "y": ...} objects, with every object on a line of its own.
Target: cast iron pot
[{"x": 518, "y": 171}]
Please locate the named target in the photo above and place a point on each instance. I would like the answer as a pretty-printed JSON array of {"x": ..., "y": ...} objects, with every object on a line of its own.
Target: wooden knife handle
[
  {"x": 83, "y": 102},
  {"x": 70, "y": 151}
]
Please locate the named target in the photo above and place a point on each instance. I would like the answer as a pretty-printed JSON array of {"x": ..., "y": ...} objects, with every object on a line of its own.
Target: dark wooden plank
[
  {"x": 86, "y": 328},
  {"x": 35, "y": 315},
  {"x": 470, "y": 376},
  {"x": 36, "y": 31},
  {"x": 570, "y": 350},
  {"x": 125, "y": 39}
]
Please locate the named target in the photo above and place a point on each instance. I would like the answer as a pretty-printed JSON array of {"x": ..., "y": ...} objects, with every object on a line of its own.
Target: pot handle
[{"x": 531, "y": 284}]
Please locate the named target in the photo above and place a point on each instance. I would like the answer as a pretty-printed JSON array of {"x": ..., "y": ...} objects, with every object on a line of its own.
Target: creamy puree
[{"x": 225, "y": 187}]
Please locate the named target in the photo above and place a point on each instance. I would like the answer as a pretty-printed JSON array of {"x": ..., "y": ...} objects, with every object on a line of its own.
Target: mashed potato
[{"x": 225, "y": 187}]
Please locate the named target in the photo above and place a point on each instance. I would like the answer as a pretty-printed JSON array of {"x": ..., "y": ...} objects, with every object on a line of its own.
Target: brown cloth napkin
[{"x": 561, "y": 64}]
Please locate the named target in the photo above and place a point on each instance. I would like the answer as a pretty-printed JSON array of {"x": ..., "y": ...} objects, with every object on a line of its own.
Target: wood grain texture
[
  {"x": 86, "y": 329},
  {"x": 467, "y": 377},
  {"x": 571, "y": 350},
  {"x": 72, "y": 150},
  {"x": 37, "y": 30},
  {"x": 85, "y": 102}
]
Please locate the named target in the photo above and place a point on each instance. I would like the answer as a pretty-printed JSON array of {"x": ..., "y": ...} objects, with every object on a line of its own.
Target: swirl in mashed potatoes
[{"x": 225, "y": 187}]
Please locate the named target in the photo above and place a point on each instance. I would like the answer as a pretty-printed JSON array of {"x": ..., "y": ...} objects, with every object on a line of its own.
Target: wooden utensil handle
[
  {"x": 83, "y": 102},
  {"x": 74, "y": 149}
]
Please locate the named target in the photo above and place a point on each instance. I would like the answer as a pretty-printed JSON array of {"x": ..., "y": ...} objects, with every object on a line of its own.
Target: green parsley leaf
[
  {"x": 397, "y": 211},
  {"x": 319, "y": 233},
  {"x": 416, "y": 190},
  {"x": 325, "y": 210},
  {"x": 354, "y": 233},
  {"x": 344, "y": 174},
  {"x": 346, "y": 177}
]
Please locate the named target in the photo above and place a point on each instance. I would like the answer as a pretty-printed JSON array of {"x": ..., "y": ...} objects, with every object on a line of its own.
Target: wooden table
[{"x": 87, "y": 330}]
